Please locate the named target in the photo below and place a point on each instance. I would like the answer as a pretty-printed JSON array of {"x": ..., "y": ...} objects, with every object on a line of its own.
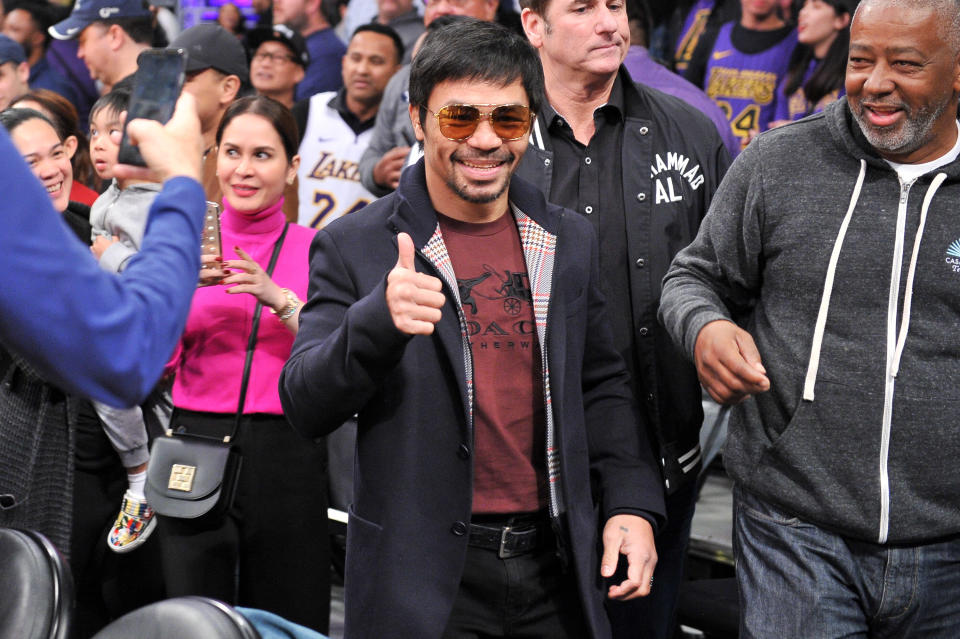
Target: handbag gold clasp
[{"x": 181, "y": 477}]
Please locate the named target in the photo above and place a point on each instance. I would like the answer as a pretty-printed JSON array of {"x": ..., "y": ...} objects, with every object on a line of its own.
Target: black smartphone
[{"x": 156, "y": 87}]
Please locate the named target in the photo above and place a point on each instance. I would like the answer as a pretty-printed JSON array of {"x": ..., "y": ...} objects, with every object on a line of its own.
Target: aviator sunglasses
[{"x": 458, "y": 122}]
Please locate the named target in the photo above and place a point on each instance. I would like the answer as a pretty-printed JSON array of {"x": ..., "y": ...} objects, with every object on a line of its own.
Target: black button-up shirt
[{"x": 589, "y": 179}]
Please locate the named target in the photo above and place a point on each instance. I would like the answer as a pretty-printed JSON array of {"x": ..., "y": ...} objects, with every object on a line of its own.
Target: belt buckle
[{"x": 502, "y": 552}]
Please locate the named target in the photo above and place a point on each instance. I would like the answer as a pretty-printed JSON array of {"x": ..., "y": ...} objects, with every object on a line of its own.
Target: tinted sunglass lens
[
  {"x": 458, "y": 121},
  {"x": 511, "y": 121}
]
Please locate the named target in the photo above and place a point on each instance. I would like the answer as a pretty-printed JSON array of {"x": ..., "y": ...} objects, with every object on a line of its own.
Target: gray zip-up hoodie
[{"x": 849, "y": 282}]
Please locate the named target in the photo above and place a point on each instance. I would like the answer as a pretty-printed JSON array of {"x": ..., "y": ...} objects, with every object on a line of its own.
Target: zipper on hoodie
[{"x": 893, "y": 303}]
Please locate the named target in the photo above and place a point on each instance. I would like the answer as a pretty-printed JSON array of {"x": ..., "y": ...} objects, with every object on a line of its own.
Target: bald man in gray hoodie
[{"x": 822, "y": 296}]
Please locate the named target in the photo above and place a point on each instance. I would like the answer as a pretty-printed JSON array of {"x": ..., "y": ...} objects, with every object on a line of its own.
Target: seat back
[
  {"x": 37, "y": 600},
  {"x": 181, "y": 618}
]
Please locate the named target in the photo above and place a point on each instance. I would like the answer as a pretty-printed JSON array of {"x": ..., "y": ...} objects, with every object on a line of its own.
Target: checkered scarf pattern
[
  {"x": 539, "y": 251},
  {"x": 436, "y": 251}
]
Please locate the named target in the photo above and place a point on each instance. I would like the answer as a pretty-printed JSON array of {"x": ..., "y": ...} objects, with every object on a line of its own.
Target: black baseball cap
[
  {"x": 284, "y": 35},
  {"x": 86, "y": 12},
  {"x": 210, "y": 46}
]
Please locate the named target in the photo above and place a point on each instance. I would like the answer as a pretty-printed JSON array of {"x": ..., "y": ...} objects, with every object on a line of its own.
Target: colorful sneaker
[{"x": 133, "y": 525}]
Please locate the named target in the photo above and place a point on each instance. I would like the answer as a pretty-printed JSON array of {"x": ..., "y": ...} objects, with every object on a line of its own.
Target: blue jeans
[{"x": 799, "y": 580}]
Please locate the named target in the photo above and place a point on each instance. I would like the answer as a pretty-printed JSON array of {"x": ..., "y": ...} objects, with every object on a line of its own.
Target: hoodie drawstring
[
  {"x": 814, "y": 363},
  {"x": 908, "y": 295}
]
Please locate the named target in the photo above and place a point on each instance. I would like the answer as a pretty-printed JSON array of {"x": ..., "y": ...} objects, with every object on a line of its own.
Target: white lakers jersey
[{"x": 329, "y": 172}]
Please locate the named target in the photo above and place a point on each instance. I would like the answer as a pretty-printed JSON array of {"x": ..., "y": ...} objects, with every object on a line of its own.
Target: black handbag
[{"x": 194, "y": 468}]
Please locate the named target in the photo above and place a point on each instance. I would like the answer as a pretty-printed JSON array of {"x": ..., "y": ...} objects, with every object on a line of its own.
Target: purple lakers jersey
[
  {"x": 745, "y": 85},
  {"x": 693, "y": 28}
]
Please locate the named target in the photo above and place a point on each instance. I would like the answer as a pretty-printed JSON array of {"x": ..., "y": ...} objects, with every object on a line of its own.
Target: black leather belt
[{"x": 511, "y": 540}]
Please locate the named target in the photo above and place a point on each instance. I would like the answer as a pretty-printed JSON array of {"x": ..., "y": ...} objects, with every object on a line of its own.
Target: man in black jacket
[
  {"x": 642, "y": 167},
  {"x": 460, "y": 318}
]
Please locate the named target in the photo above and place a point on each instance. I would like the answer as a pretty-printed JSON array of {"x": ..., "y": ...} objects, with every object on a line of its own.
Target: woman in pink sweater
[{"x": 271, "y": 550}]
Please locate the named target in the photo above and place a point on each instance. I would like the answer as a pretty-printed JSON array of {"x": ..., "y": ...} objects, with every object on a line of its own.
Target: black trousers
[
  {"x": 528, "y": 596},
  {"x": 272, "y": 550}
]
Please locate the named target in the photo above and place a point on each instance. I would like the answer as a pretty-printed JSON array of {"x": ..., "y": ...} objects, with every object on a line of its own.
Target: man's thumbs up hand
[{"x": 414, "y": 299}]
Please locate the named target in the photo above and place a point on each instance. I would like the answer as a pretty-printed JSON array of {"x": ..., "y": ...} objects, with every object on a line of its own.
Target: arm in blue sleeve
[{"x": 88, "y": 331}]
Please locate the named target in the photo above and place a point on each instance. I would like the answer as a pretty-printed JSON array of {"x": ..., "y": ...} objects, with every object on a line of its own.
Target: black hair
[
  {"x": 139, "y": 29},
  {"x": 14, "y": 117},
  {"x": 275, "y": 113},
  {"x": 830, "y": 72},
  {"x": 330, "y": 10},
  {"x": 471, "y": 49},
  {"x": 442, "y": 21},
  {"x": 116, "y": 100},
  {"x": 384, "y": 30}
]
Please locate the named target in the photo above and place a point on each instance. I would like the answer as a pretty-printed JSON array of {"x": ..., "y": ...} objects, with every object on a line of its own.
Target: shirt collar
[
  {"x": 339, "y": 103},
  {"x": 613, "y": 108}
]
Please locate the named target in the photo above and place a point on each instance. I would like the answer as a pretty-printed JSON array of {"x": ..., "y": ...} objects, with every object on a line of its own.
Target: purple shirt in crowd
[
  {"x": 647, "y": 71},
  {"x": 323, "y": 73}
]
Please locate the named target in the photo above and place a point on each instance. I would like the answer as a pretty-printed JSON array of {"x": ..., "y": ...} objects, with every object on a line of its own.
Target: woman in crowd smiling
[{"x": 271, "y": 549}]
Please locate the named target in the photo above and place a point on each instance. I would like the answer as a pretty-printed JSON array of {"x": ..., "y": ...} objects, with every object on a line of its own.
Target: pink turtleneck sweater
[{"x": 209, "y": 360}]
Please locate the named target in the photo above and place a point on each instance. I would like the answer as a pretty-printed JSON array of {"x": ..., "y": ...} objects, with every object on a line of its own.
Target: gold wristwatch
[{"x": 293, "y": 303}]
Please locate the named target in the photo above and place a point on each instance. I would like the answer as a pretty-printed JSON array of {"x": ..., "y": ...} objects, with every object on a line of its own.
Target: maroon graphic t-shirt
[{"x": 508, "y": 437}]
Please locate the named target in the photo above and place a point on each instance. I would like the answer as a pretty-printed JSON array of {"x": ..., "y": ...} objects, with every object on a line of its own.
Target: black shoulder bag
[{"x": 194, "y": 469}]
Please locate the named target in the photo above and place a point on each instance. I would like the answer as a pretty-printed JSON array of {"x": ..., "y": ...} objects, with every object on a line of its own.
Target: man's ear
[
  {"x": 415, "y": 121},
  {"x": 229, "y": 87},
  {"x": 23, "y": 73},
  {"x": 298, "y": 75},
  {"x": 533, "y": 26},
  {"x": 117, "y": 36}
]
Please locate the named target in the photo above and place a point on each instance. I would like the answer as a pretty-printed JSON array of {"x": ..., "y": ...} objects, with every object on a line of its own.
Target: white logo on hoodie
[{"x": 953, "y": 256}]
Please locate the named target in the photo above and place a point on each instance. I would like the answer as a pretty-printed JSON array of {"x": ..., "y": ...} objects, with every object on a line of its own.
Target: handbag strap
[{"x": 252, "y": 342}]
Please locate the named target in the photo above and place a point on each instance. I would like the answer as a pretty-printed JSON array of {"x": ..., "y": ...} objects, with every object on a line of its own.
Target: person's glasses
[
  {"x": 273, "y": 57},
  {"x": 458, "y": 122}
]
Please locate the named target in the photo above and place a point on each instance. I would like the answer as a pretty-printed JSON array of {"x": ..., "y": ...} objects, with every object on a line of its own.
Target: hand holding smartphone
[
  {"x": 210, "y": 247},
  {"x": 156, "y": 87}
]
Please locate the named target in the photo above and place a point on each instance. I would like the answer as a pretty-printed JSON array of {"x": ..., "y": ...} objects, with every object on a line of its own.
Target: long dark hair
[
  {"x": 277, "y": 114},
  {"x": 829, "y": 74}
]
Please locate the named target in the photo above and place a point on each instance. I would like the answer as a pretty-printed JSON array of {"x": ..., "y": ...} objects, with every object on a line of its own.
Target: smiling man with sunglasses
[{"x": 499, "y": 472}]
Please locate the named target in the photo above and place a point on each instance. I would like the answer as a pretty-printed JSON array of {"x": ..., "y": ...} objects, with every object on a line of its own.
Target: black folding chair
[{"x": 37, "y": 599}]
